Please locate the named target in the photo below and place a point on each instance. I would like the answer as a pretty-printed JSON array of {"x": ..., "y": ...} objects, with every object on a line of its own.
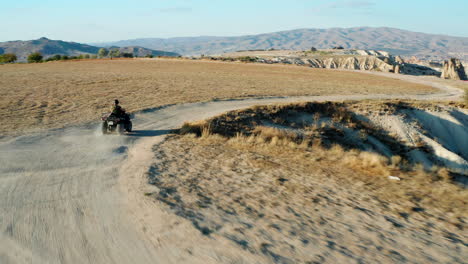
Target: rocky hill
[
  {"x": 396, "y": 41},
  {"x": 366, "y": 60},
  {"x": 48, "y": 47}
]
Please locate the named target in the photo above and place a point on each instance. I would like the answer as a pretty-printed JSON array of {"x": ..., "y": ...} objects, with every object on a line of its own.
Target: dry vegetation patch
[
  {"x": 49, "y": 95},
  {"x": 309, "y": 183},
  {"x": 295, "y": 204},
  {"x": 336, "y": 131}
]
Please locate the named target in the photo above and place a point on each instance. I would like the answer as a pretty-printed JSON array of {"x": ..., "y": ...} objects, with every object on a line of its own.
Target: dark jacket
[{"x": 117, "y": 110}]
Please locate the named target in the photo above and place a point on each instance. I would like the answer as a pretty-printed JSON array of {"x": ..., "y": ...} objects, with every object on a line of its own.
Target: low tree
[
  {"x": 65, "y": 57},
  {"x": 127, "y": 55},
  {"x": 8, "y": 58},
  {"x": 114, "y": 53},
  {"x": 149, "y": 56},
  {"x": 35, "y": 57},
  {"x": 102, "y": 53}
]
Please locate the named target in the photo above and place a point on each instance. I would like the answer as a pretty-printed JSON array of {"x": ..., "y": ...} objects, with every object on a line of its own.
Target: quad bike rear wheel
[
  {"x": 129, "y": 126},
  {"x": 120, "y": 129}
]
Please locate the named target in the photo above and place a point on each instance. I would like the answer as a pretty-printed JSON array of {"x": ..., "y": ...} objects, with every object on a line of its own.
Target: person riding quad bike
[
  {"x": 118, "y": 120},
  {"x": 117, "y": 110}
]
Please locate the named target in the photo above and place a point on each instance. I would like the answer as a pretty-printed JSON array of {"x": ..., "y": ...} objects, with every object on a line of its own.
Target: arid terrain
[
  {"x": 325, "y": 182},
  {"x": 373, "y": 181},
  {"x": 51, "y": 95}
]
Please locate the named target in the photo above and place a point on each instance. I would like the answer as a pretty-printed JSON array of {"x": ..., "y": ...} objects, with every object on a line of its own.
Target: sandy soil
[
  {"x": 65, "y": 201},
  {"x": 272, "y": 204}
]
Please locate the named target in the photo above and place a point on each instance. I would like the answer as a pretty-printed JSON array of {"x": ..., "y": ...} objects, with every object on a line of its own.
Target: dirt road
[{"x": 74, "y": 196}]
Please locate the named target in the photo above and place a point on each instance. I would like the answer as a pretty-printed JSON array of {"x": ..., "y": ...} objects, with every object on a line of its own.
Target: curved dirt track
[{"x": 73, "y": 196}]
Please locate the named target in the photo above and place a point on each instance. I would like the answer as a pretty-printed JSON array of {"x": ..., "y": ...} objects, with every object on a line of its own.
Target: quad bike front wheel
[{"x": 104, "y": 128}]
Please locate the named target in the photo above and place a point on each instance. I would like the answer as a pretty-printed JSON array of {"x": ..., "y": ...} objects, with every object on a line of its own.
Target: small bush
[
  {"x": 246, "y": 59},
  {"x": 114, "y": 53},
  {"x": 102, "y": 53},
  {"x": 35, "y": 57},
  {"x": 8, "y": 58}
]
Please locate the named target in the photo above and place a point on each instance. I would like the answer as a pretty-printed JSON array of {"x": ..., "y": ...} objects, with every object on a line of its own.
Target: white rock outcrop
[{"x": 453, "y": 69}]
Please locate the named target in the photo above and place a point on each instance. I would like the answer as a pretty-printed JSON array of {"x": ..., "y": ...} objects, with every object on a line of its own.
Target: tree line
[{"x": 37, "y": 57}]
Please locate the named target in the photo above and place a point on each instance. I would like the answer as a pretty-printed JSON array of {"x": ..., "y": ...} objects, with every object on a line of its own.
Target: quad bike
[{"x": 112, "y": 123}]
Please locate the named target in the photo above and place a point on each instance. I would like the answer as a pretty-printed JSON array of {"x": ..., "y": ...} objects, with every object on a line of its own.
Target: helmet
[{"x": 116, "y": 101}]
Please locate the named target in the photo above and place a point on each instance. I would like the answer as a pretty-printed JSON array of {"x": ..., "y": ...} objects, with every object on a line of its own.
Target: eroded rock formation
[{"x": 453, "y": 69}]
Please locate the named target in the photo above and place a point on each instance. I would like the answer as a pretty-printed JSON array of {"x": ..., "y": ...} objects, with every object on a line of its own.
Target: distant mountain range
[
  {"x": 395, "y": 41},
  {"x": 48, "y": 47}
]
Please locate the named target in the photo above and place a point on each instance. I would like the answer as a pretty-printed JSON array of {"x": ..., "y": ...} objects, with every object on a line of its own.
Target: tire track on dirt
[{"x": 73, "y": 196}]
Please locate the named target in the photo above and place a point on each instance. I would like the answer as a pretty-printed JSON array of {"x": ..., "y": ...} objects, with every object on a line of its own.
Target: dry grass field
[{"x": 51, "y": 95}]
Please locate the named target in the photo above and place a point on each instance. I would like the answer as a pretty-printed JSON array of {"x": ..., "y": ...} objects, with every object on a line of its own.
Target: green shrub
[
  {"x": 8, "y": 58},
  {"x": 247, "y": 59},
  {"x": 102, "y": 53},
  {"x": 54, "y": 58},
  {"x": 114, "y": 53},
  {"x": 149, "y": 56},
  {"x": 35, "y": 57}
]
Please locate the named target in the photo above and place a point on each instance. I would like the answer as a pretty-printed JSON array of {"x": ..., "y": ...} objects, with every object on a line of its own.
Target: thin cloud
[
  {"x": 175, "y": 10},
  {"x": 167, "y": 10},
  {"x": 352, "y": 4}
]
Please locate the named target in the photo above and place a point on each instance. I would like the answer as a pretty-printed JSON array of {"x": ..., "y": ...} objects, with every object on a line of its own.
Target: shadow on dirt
[{"x": 151, "y": 133}]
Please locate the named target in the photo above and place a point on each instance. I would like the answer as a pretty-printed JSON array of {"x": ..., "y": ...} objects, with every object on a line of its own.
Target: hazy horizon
[
  {"x": 195, "y": 36},
  {"x": 106, "y": 21}
]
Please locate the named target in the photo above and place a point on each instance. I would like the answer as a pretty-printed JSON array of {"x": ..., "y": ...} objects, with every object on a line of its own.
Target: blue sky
[{"x": 106, "y": 20}]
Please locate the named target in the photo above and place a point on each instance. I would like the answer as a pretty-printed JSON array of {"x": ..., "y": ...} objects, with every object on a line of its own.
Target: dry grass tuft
[
  {"x": 367, "y": 162},
  {"x": 320, "y": 147}
]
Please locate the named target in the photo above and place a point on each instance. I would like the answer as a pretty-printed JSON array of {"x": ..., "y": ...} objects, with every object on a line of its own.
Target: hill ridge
[
  {"x": 397, "y": 41},
  {"x": 48, "y": 47}
]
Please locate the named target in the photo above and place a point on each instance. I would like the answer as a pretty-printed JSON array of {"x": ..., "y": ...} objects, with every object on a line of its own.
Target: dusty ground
[
  {"x": 73, "y": 196},
  {"x": 50, "y": 95},
  {"x": 274, "y": 205},
  {"x": 300, "y": 187}
]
